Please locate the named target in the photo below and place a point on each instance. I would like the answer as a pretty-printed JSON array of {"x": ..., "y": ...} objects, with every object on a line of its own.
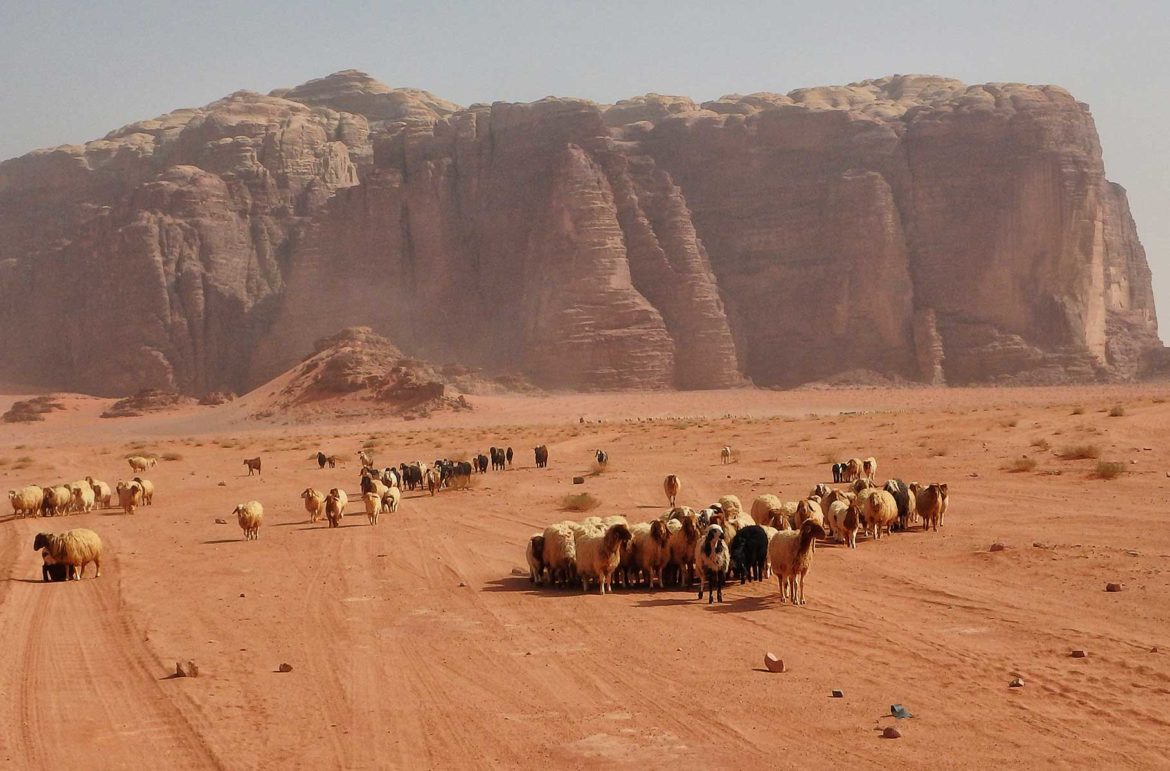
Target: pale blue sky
[{"x": 73, "y": 71}]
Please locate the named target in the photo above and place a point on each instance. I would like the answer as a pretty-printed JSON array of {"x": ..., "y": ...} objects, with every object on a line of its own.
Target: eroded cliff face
[{"x": 913, "y": 226}]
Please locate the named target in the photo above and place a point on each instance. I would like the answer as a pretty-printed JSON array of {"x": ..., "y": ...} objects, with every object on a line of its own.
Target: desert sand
[{"x": 417, "y": 644}]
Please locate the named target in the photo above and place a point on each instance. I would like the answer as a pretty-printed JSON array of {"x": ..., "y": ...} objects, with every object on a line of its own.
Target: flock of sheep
[{"x": 723, "y": 541}]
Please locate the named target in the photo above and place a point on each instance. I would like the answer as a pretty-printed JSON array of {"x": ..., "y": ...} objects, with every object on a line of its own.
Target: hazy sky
[{"x": 73, "y": 71}]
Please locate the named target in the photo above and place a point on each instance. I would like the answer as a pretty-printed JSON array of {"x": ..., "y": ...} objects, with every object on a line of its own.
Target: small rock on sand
[
  {"x": 838, "y": 694},
  {"x": 1078, "y": 654},
  {"x": 578, "y": 480},
  {"x": 1016, "y": 683},
  {"x": 223, "y": 484},
  {"x": 285, "y": 668},
  {"x": 891, "y": 733},
  {"x": 997, "y": 547},
  {"x": 519, "y": 572},
  {"x": 1114, "y": 587},
  {"x": 219, "y": 521},
  {"x": 774, "y": 663}
]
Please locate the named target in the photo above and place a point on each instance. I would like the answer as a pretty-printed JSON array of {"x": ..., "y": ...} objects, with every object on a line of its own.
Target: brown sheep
[
  {"x": 673, "y": 486},
  {"x": 929, "y": 502},
  {"x": 253, "y": 465}
]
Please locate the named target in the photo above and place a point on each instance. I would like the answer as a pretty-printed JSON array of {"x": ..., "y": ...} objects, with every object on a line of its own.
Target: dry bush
[
  {"x": 938, "y": 452},
  {"x": 580, "y": 502},
  {"x": 1116, "y": 411},
  {"x": 1080, "y": 452},
  {"x": 1042, "y": 444},
  {"x": 1010, "y": 423},
  {"x": 1078, "y": 411},
  {"x": 1107, "y": 469},
  {"x": 171, "y": 456},
  {"x": 1022, "y": 465}
]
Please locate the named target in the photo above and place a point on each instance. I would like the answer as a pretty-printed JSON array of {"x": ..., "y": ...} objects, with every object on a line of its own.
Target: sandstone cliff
[{"x": 913, "y": 226}]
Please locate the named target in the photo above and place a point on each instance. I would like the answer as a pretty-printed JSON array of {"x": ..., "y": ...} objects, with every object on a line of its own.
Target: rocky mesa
[{"x": 912, "y": 226}]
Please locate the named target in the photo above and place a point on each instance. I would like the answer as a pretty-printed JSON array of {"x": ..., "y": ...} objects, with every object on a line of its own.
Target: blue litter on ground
[{"x": 898, "y": 711}]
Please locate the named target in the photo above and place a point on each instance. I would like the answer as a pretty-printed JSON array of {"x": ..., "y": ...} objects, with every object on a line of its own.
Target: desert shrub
[
  {"x": 1080, "y": 452},
  {"x": 1078, "y": 411},
  {"x": 580, "y": 502},
  {"x": 1022, "y": 465},
  {"x": 171, "y": 456},
  {"x": 1012, "y": 423},
  {"x": 1041, "y": 444},
  {"x": 1107, "y": 469},
  {"x": 1116, "y": 411},
  {"x": 938, "y": 452}
]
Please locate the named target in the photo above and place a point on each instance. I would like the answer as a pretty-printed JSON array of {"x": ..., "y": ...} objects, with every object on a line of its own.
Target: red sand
[{"x": 413, "y": 644}]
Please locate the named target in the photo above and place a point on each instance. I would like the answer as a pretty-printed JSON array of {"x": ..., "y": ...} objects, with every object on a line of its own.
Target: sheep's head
[
  {"x": 659, "y": 532},
  {"x": 943, "y": 487},
  {"x": 308, "y": 493},
  {"x": 41, "y": 541},
  {"x": 714, "y": 541},
  {"x": 617, "y": 537},
  {"x": 821, "y": 490},
  {"x": 812, "y": 528},
  {"x": 537, "y": 544}
]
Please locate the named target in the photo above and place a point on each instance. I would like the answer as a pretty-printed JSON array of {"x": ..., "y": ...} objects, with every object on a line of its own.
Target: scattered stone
[
  {"x": 220, "y": 521},
  {"x": 838, "y": 694},
  {"x": 997, "y": 546},
  {"x": 462, "y": 584},
  {"x": 1016, "y": 683},
  {"x": 192, "y": 669},
  {"x": 1039, "y": 545},
  {"x": 1114, "y": 587},
  {"x": 179, "y": 671},
  {"x": 1154, "y": 649},
  {"x": 1131, "y": 552},
  {"x": 1078, "y": 654},
  {"x": 519, "y": 572},
  {"x": 578, "y": 480},
  {"x": 284, "y": 668},
  {"x": 241, "y": 594},
  {"x": 1132, "y": 462},
  {"x": 223, "y": 484},
  {"x": 774, "y": 663},
  {"x": 891, "y": 733}
]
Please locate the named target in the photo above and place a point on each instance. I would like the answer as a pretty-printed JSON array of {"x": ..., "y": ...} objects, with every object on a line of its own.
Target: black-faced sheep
[
  {"x": 56, "y": 501},
  {"x": 672, "y": 486},
  {"x": 712, "y": 561},
  {"x": 253, "y": 465},
  {"x": 749, "y": 553},
  {"x": 508, "y": 456},
  {"x": 52, "y": 570},
  {"x": 541, "y": 454},
  {"x": 75, "y": 548},
  {"x": 905, "y": 499},
  {"x": 790, "y": 553},
  {"x": 322, "y": 459},
  {"x": 250, "y": 515},
  {"x": 534, "y": 554}
]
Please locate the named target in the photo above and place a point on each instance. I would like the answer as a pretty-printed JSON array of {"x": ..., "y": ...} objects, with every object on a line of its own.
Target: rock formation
[{"x": 912, "y": 226}]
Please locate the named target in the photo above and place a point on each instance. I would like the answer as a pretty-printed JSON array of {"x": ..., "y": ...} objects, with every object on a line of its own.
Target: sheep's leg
[{"x": 719, "y": 586}]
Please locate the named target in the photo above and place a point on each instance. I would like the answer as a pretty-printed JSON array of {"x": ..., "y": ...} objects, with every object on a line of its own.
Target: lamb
[
  {"x": 749, "y": 553},
  {"x": 75, "y": 548},
  {"x": 869, "y": 466},
  {"x": 129, "y": 496},
  {"x": 314, "y": 503},
  {"x": 101, "y": 492},
  {"x": 673, "y": 486},
  {"x": 598, "y": 556},
  {"x": 791, "y": 553},
  {"x": 560, "y": 553},
  {"x": 534, "y": 553},
  {"x": 83, "y": 499},
  {"x": 650, "y": 550},
  {"x": 140, "y": 464},
  {"x": 904, "y": 497},
  {"x": 879, "y": 510},
  {"x": 725, "y": 454},
  {"x": 56, "y": 500},
  {"x": 335, "y": 503},
  {"x": 27, "y": 501},
  {"x": 768, "y": 509},
  {"x": 929, "y": 504},
  {"x": 390, "y": 500},
  {"x": 373, "y": 504},
  {"x": 250, "y": 515},
  {"x": 712, "y": 560},
  {"x": 681, "y": 545},
  {"x": 147, "y": 491},
  {"x": 253, "y": 465}
]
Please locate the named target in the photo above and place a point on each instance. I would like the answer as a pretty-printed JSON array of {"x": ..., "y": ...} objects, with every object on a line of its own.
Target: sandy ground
[{"x": 414, "y": 644}]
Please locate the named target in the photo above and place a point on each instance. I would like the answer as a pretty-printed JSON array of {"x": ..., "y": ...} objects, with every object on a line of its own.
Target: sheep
[
  {"x": 373, "y": 505},
  {"x": 56, "y": 500},
  {"x": 725, "y": 455},
  {"x": 27, "y": 501},
  {"x": 391, "y": 477},
  {"x": 749, "y": 552},
  {"x": 683, "y": 537},
  {"x": 861, "y": 485},
  {"x": 147, "y": 491},
  {"x": 534, "y": 554},
  {"x": 650, "y": 550},
  {"x": 391, "y": 499},
  {"x": 602, "y": 459},
  {"x": 433, "y": 480},
  {"x": 790, "y": 553},
  {"x": 560, "y": 553},
  {"x": 904, "y": 497},
  {"x": 672, "y": 485},
  {"x": 807, "y": 509},
  {"x": 314, "y": 503},
  {"x": 879, "y": 510},
  {"x": 768, "y": 509},
  {"x": 129, "y": 496},
  {"x": 853, "y": 470},
  {"x": 253, "y": 465},
  {"x": 838, "y": 470},
  {"x": 140, "y": 464},
  {"x": 508, "y": 456},
  {"x": 712, "y": 561},
  {"x": 843, "y": 518},
  {"x": 322, "y": 459},
  {"x": 929, "y": 504},
  {"x": 83, "y": 499},
  {"x": 599, "y": 554},
  {"x": 51, "y": 570},
  {"x": 731, "y": 506},
  {"x": 101, "y": 492},
  {"x": 541, "y": 453},
  {"x": 250, "y": 515},
  {"x": 373, "y": 484},
  {"x": 75, "y": 548},
  {"x": 365, "y": 459},
  {"x": 946, "y": 499},
  {"x": 869, "y": 466},
  {"x": 335, "y": 503}
]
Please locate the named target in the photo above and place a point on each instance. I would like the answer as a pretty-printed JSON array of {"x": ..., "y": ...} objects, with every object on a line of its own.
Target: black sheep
[
  {"x": 901, "y": 493},
  {"x": 749, "y": 553}
]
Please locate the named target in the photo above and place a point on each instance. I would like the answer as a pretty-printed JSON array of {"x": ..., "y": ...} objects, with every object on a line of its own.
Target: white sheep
[
  {"x": 129, "y": 496},
  {"x": 101, "y": 492},
  {"x": 807, "y": 509},
  {"x": 83, "y": 499},
  {"x": 75, "y": 548},
  {"x": 57, "y": 500},
  {"x": 843, "y": 518},
  {"x": 139, "y": 463},
  {"x": 879, "y": 510},
  {"x": 250, "y": 515},
  {"x": 27, "y": 501},
  {"x": 768, "y": 509},
  {"x": 712, "y": 560},
  {"x": 598, "y": 555},
  {"x": 560, "y": 553},
  {"x": 147, "y": 491},
  {"x": 790, "y": 552},
  {"x": 373, "y": 504},
  {"x": 314, "y": 503},
  {"x": 725, "y": 454},
  {"x": 869, "y": 467},
  {"x": 391, "y": 499},
  {"x": 730, "y": 505},
  {"x": 335, "y": 503}
]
